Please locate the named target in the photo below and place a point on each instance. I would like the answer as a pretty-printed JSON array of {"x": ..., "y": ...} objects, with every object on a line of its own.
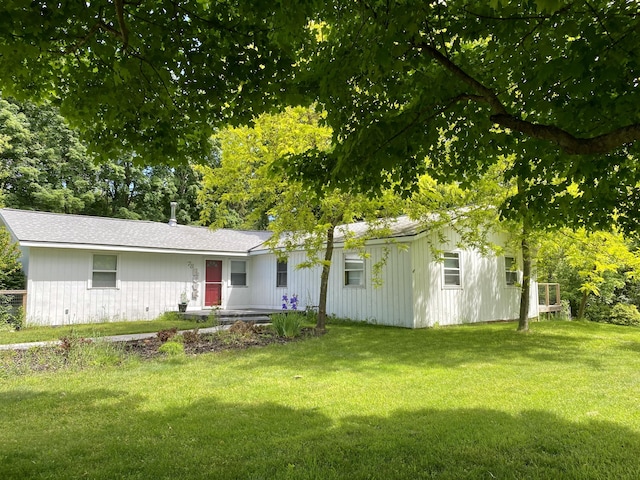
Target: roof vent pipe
[{"x": 172, "y": 221}]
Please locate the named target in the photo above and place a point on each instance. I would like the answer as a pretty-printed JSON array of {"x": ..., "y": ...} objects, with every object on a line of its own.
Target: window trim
[
  {"x": 443, "y": 258},
  {"x": 116, "y": 285},
  {"x": 232, "y": 273},
  {"x": 509, "y": 272},
  {"x": 355, "y": 258},
  {"x": 280, "y": 271}
]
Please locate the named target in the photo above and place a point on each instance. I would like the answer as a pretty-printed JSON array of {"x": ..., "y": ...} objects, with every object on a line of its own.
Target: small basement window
[
  {"x": 238, "y": 273},
  {"x": 510, "y": 270},
  {"x": 104, "y": 273},
  {"x": 451, "y": 269},
  {"x": 353, "y": 270},
  {"x": 281, "y": 274}
]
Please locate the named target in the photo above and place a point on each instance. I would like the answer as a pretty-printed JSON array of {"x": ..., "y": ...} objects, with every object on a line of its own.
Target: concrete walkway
[{"x": 112, "y": 338}]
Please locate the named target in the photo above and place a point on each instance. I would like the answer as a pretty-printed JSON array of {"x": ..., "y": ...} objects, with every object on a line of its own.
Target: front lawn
[{"x": 359, "y": 402}]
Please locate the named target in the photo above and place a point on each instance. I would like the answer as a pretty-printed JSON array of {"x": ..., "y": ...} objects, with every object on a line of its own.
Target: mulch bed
[{"x": 241, "y": 335}]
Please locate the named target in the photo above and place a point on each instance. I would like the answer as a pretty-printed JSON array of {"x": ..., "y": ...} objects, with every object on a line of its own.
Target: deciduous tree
[
  {"x": 240, "y": 191},
  {"x": 464, "y": 83},
  {"x": 45, "y": 166},
  {"x": 590, "y": 265},
  {"x": 152, "y": 77},
  {"x": 249, "y": 189},
  {"x": 11, "y": 276}
]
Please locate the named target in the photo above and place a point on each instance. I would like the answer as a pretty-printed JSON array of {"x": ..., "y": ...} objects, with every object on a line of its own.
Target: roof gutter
[{"x": 120, "y": 248}]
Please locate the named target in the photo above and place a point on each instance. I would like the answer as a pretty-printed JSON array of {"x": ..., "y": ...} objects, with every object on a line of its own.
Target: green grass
[
  {"x": 37, "y": 334},
  {"x": 361, "y": 402}
]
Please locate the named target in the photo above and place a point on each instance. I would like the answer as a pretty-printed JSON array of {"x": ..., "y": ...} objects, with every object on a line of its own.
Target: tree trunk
[
  {"x": 583, "y": 305},
  {"x": 324, "y": 281},
  {"x": 523, "y": 320}
]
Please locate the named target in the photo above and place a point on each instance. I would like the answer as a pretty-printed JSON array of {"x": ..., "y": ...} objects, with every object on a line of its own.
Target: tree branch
[
  {"x": 569, "y": 143},
  {"x": 486, "y": 93},
  {"x": 124, "y": 32}
]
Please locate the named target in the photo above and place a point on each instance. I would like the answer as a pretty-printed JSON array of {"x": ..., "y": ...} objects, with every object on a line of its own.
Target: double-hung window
[
  {"x": 104, "y": 271},
  {"x": 353, "y": 270},
  {"x": 238, "y": 273},
  {"x": 510, "y": 271},
  {"x": 451, "y": 269},
  {"x": 281, "y": 273}
]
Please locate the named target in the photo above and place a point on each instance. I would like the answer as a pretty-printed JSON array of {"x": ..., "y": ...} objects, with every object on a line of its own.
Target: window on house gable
[
  {"x": 281, "y": 273},
  {"x": 510, "y": 270},
  {"x": 104, "y": 272},
  {"x": 238, "y": 273},
  {"x": 451, "y": 269},
  {"x": 353, "y": 270}
]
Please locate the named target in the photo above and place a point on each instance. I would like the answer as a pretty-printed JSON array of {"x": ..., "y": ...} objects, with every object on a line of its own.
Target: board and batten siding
[
  {"x": 483, "y": 295},
  {"x": 411, "y": 295},
  {"x": 302, "y": 282},
  {"x": 387, "y": 304},
  {"x": 149, "y": 284}
]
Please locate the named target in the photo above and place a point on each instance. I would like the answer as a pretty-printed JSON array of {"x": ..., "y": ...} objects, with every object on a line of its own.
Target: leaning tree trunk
[
  {"x": 583, "y": 305},
  {"x": 324, "y": 281}
]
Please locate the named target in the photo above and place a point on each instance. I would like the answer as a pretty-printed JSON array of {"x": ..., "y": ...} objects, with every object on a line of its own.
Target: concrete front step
[
  {"x": 232, "y": 320},
  {"x": 228, "y": 317}
]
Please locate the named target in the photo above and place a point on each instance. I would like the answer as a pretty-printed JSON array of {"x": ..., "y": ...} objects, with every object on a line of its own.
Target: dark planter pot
[{"x": 182, "y": 307}]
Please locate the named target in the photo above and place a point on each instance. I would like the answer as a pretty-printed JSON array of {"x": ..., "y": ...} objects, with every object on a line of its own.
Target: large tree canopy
[
  {"x": 459, "y": 81},
  {"x": 463, "y": 83},
  {"x": 153, "y": 76}
]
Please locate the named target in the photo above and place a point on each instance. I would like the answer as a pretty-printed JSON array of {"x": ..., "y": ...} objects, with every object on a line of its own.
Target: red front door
[{"x": 213, "y": 283}]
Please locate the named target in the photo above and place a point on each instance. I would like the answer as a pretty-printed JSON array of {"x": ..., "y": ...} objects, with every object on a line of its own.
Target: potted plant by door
[{"x": 184, "y": 300}]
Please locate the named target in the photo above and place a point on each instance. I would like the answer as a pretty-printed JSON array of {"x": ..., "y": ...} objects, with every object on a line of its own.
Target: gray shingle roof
[
  {"x": 400, "y": 227},
  {"x": 395, "y": 228},
  {"x": 55, "y": 228}
]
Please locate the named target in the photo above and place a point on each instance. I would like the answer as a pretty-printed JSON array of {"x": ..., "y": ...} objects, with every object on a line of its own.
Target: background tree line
[{"x": 46, "y": 167}]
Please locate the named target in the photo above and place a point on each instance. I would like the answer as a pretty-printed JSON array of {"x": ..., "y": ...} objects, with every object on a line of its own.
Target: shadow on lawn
[{"x": 106, "y": 434}]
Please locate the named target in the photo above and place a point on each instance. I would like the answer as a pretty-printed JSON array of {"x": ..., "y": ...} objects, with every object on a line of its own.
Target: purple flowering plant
[{"x": 290, "y": 302}]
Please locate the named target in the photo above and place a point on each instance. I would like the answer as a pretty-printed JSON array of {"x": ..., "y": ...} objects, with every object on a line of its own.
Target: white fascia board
[
  {"x": 264, "y": 251},
  {"x": 386, "y": 241},
  {"x": 118, "y": 248},
  {"x": 375, "y": 241}
]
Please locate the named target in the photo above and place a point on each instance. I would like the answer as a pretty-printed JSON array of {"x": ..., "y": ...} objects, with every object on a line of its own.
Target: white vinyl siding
[
  {"x": 451, "y": 270},
  {"x": 483, "y": 297},
  {"x": 302, "y": 282},
  {"x": 389, "y": 304},
  {"x": 510, "y": 271},
  {"x": 353, "y": 270},
  {"x": 104, "y": 271},
  {"x": 281, "y": 273},
  {"x": 238, "y": 273},
  {"x": 147, "y": 286}
]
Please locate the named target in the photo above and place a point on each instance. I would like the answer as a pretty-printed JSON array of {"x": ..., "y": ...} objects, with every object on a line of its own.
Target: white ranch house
[{"x": 83, "y": 269}]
